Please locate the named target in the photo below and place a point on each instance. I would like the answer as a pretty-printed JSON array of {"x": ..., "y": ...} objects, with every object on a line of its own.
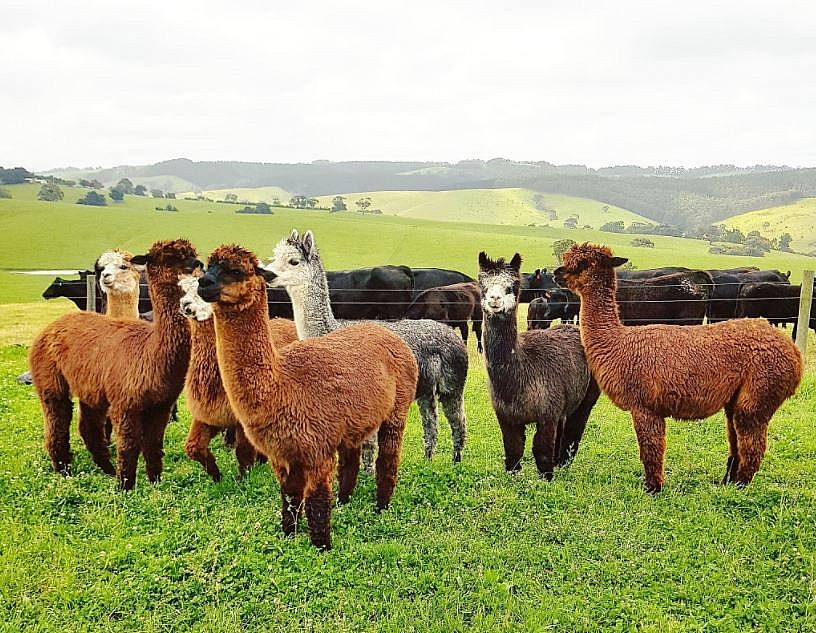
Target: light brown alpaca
[
  {"x": 130, "y": 370},
  {"x": 302, "y": 404},
  {"x": 203, "y": 390},
  {"x": 119, "y": 280},
  {"x": 745, "y": 366}
]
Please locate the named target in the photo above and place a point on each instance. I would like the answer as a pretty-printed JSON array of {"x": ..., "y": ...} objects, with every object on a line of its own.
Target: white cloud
[{"x": 99, "y": 83}]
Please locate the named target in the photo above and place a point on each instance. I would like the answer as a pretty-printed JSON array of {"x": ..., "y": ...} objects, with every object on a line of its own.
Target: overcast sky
[{"x": 600, "y": 83}]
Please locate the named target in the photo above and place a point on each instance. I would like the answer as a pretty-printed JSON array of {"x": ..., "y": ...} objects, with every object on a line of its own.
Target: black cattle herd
[{"x": 672, "y": 295}]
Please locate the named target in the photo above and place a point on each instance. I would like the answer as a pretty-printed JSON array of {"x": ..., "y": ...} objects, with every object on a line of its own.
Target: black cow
[
  {"x": 75, "y": 290},
  {"x": 382, "y": 292},
  {"x": 679, "y": 298},
  {"x": 777, "y": 302},
  {"x": 425, "y": 278},
  {"x": 453, "y": 305},
  {"x": 534, "y": 284},
  {"x": 557, "y": 303},
  {"x": 727, "y": 283},
  {"x": 650, "y": 273}
]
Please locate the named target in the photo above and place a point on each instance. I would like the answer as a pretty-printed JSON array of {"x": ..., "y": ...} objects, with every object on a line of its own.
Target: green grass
[
  {"x": 491, "y": 206},
  {"x": 463, "y": 547},
  {"x": 254, "y": 194},
  {"x": 798, "y": 219},
  {"x": 63, "y": 235}
]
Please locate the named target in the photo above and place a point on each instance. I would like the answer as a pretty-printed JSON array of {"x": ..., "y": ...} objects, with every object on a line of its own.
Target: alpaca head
[
  {"x": 117, "y": 275},
  {"x": 585, "y": 262},
  {"x": 295, "y": 261},
  {"x": 193, "y": 306},
  {"x": 167, "y": 259},
  {"x": 499, "y": 283},
  {"x": 233, "y": 277}
]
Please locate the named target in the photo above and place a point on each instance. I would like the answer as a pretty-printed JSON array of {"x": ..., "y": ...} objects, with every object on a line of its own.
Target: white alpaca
[{"x": 119, "y": 280}]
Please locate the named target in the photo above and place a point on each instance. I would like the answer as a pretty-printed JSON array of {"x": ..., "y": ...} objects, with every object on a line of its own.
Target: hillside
[
  {"x": 491, "y": 206},
  {"x": 255, "y": 194},
  {"x": 798, "y": 219},
  {"x": 672, "y": 195},
  {"x": 63, "y": 235}
]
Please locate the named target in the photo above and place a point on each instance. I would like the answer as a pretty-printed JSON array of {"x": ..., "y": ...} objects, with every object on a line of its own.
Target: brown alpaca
[
  {"x": 203, "y": 390},
  {"x": 301, "y": 404},
  {"x": 119, "y": 280},
  {"x": 130, "y": 370},
  {"x": 690, "y": 372}
]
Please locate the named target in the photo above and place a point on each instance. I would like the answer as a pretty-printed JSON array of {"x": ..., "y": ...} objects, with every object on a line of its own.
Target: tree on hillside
[
  {"x": 363, "y": 204},
  {"x": 338, "y": 203},
  {"x": 125, "y": 186},
  {"x": 170, "y": 195},
  {"x": 94, "y": 199},
  {"x": 140, "y": 190},
  {"x": 613, "y": 227},
  {"x": 276, "y": 201},
  {"x": 4, "y": 193},
  {"x": 312, "y": 203},
  {"x": 560, "y": 247},
  {"x": 116, "y": 194},
  {"x": 570, "y": 223},
  {"x": 785, "y": 242},
  {"x": 262, "y": 207},
  {"x": 299, "y": 202},
  {"x": 14, "y": 176},
  {"x": 157, "y": 193},
  {"x": 50, "y": 192},
  {"x": 231, "y": 197}
]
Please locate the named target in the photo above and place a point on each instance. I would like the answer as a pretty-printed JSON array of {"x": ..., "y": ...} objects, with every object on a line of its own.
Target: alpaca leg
[
  {"x": 128, "y": 427},
  {"x": 513, "y": 437},
  {"x": 155, "y": 422},
  {"x": 454, "y": 407},
  {"x": 732, "y": 464},
  {"x": 463, "y": 328},
  {"x": 477, "y": 330},
  {"x": 544, "y": 442},
  {"x": 108, "y": 431},
  {"x": 245, "y": 452},
  {"x": 651, "y": 435},
  {"x": 752, "y": 440},
  {"x": 292, "y": 484},
  {"x": 368, "y": 451},
  {"x": 197, "y": 447},
  {"x": 347, "y": 470},
  {"x": 57, "y": 412},
  {"x": 389, "y": 441},
  {"x": 92, "y": 430},
  {"x": 229, "y": 436},
  {"x": 576, "y": 424},
  {"x": 430, "y": 422},
  {"x": 318, "y": 507}
]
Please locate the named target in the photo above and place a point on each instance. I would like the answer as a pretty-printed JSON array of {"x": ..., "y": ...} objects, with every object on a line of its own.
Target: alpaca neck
[
  {"x": 500, "y": 340},
  {"x": 311, "y": 306},
  {"x": 247, "y": 357},
  {"x": 599, "y": 312},
  {"x": 122, "y": 306},
  {"x": 170, "y": 337}
]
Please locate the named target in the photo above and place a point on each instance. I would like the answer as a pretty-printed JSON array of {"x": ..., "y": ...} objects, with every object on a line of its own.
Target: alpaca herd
[{"x": 317, "y": 394}]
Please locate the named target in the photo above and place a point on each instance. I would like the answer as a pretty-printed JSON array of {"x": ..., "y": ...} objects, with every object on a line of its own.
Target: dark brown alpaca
[
  {"x": 302, "y": 404},
  {"x": 203, "y": 389},
  {"x": 130, "y": 370},
  {"x": 746, "y": 367},
  {"x": 540, "y": 377}
]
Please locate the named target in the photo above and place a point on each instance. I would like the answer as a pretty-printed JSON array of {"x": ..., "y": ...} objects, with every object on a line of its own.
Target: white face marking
[
  {"x": 497, "y": 292},
  {"x": 192, "y": 305},
  {"x": 118, "y": 276},
  {"x": 290, "y": 266}
]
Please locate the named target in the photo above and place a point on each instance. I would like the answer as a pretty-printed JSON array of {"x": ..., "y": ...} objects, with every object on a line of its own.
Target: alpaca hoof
[
  {"x": 653, "y": 489},
  {"x": 341, "y": 501},
  {"x": 323, "y": 546},
  {"x": 379, "y": 509},
  {"x": 547, "y": 476},
  {"x": 457, "y": 458},
  {"x": 216, "y": 476}
]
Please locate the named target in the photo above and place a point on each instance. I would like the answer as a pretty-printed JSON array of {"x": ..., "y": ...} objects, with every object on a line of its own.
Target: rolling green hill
[
  {"x": 798, "y": 219},
  {"x": 63, "y": 235},
  {"x": 257, "y": 194}
]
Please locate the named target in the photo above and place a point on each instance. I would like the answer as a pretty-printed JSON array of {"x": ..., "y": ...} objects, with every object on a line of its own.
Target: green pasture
[
  {"x": 463, "y": 548},
  {"x": 64, "y": 235},
  {"x": 254, "y": 194},
  {"x": 798, "y": 219}
]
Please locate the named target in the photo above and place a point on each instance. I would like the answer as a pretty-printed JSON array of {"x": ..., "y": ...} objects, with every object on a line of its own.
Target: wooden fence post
[
  {"x": 805, "y": 300},
  {"x": 90, "y": 292}
]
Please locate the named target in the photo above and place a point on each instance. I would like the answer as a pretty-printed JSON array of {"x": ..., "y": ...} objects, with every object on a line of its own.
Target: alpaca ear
[
  {"x": 293, "y": 236},
  {"x": 268, "y": 275},
  {"x": 308, "y": 245},
  {"x": 515, "y": 263},
  {"x": 618, "y": 261},
  {"x": 484, "y": 260},
  {"x": 139, "y": 262},
  {"x": 537, "y": 273}
]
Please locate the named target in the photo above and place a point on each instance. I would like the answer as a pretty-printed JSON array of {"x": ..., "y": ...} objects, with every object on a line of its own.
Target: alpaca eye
[
  {"x": 294, "y": 262},
  {"x": 508, "y": 291},
  {"x": 122, "y": 267}
]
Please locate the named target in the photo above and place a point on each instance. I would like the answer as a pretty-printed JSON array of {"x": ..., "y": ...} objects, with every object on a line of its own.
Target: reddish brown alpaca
[
  {"x": 302, "y": 404},
  {"x": 131, "y": 370},
  {"x": 745, "y": 366},
  {"x": 203, "y": 390}
]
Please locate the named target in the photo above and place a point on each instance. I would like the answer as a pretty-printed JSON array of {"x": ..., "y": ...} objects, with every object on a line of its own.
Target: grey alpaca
[
  {"x": 440, "y": 354},
  {"x": 540, "y": 377}
]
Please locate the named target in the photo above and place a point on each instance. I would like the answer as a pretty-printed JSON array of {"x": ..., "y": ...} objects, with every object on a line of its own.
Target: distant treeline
[{"x": 669, "y": 195}]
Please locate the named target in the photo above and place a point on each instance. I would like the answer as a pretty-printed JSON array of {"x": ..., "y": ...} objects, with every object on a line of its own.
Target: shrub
[
  {"x": 4, "y": 193},
  {"x": 93, "y": 199}
]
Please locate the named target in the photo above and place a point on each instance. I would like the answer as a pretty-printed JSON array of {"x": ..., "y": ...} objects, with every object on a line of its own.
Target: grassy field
[
  {"x": 463, "y": 548},
  {"x": 491, "y": 206},
  {"x": 63, "y": 235},
  {"x": 798, "y": 219},
  {"x": 256, "y": 194}
]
